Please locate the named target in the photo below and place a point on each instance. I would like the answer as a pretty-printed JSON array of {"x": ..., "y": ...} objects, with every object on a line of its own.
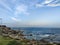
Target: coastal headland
[{"x": 10, "y": 36}]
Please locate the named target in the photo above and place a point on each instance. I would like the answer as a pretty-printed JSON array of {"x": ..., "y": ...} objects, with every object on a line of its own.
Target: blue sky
[{"x": 38, "y": 13}]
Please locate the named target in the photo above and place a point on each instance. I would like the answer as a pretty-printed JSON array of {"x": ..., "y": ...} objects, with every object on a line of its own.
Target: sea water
[{"x": 39, "y": 33}]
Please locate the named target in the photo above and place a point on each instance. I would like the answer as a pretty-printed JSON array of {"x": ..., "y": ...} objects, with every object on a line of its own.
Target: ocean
[{"x": 40, "y": 33}]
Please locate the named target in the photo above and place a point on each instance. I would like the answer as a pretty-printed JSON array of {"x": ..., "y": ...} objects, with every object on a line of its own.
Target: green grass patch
[{"x": 4, "y": 40}]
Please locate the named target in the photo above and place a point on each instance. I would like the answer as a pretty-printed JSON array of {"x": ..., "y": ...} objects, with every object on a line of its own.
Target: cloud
[
  {"x": 48, "y": 3},
  {"x": 53, "y": 5},
  {"x": 5, "y": 5},
  {"x": 56, "y": 1},
  {"x": 21, "y": 9},
  {"x": 15, "y": 19},
  {"x": 39, "y": 5}
]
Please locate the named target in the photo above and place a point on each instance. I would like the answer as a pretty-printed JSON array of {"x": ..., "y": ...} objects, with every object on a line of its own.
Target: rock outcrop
[{"x": 8, "y": 32}]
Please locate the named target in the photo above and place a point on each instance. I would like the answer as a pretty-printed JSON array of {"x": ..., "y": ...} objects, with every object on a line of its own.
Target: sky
[{"x": 30, "y": 13}]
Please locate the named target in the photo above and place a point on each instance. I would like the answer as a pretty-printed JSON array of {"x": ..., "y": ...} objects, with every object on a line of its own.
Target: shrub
[{"x": 14, "y": 42}]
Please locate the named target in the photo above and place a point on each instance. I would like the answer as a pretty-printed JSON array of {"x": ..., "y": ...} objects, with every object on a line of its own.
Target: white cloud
[
  {"x": 21, "y": 9},
  {"x": 15, "y": 19},
  {"x": 56, "y": 1},
  {"x": 53, "y": 5},
  {"x": 5, "y": 5},
  {"x": 47, "y": 1},
  {"x": 39, "y": 5},
  {"x": 26, "y": 13}
]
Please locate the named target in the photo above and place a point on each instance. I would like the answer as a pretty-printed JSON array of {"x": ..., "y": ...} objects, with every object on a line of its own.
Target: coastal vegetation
[{"x": 15, "y": 37}]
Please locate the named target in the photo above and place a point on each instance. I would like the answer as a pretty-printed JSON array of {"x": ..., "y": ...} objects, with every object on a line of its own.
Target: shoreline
[{"x": 18, "y": 35}]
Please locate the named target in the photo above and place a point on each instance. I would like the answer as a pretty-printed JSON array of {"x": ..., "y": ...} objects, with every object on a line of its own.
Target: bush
[{"x": 14, "y": 42}]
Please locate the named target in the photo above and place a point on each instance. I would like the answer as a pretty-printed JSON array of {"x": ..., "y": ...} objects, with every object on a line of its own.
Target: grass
[
  {"x": 9, "y": 41},
  {"x": 4, "y": 40}
]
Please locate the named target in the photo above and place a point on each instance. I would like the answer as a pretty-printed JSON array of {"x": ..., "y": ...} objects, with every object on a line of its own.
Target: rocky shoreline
[
  {"x": 8, "y": 32},
  {"x": 18, "y": 35}
]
